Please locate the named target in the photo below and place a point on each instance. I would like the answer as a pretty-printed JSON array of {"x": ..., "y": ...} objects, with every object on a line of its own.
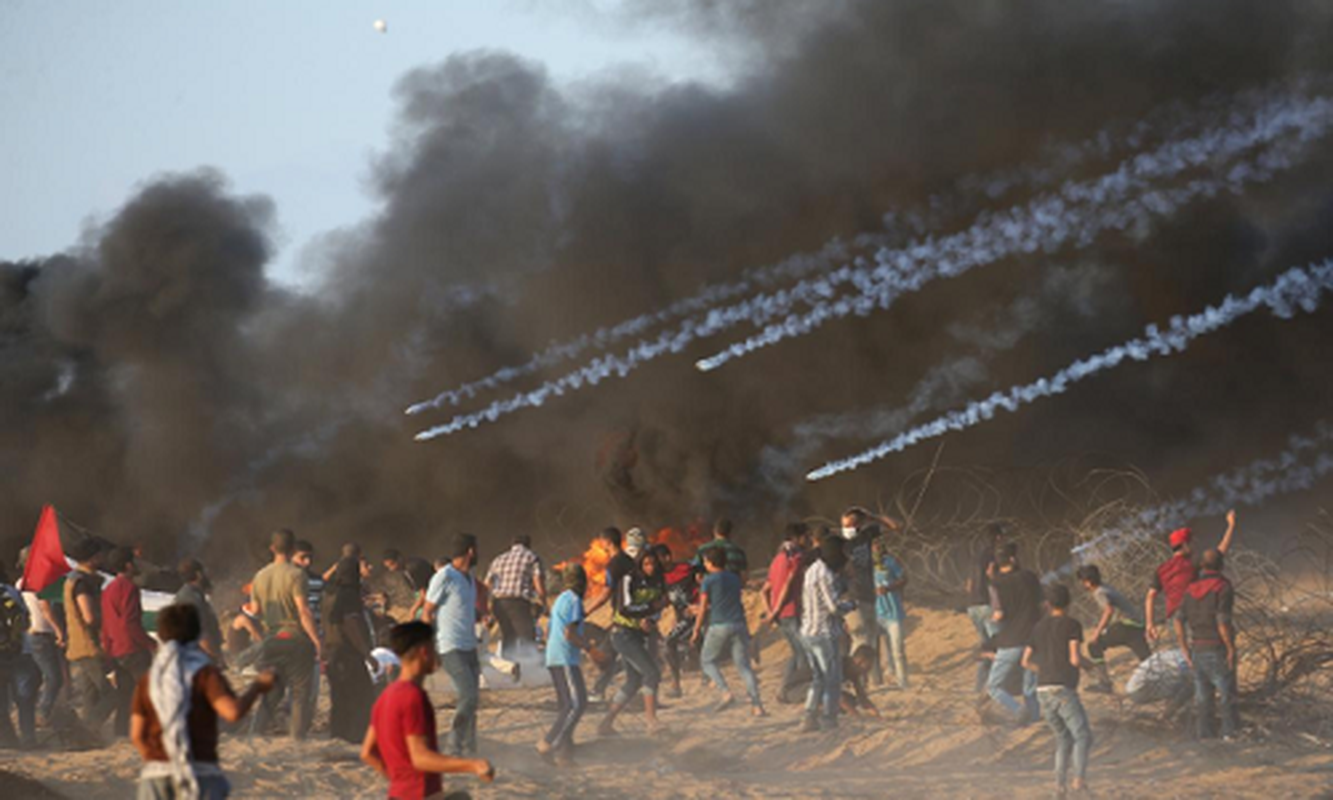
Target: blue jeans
[
  {"x": 1063, "y": 711},
  {"x": 1211, "y": 672},
  {"x": 19, "y": 679},
  {"x": 893, "y": 632},
  {"x": 791, "y": 631},
  {"x": 641, "y": 669},
  {"x": 211, "y": 787},
  {"x": 1008, "y": 659},
  {"x": 986, "y": 628},
  {"x": 464, "y": 669},
  {"x": 733, "y": 637},
  {"x": 50, "y": 661},
  {"x": 825, "y": 675}
]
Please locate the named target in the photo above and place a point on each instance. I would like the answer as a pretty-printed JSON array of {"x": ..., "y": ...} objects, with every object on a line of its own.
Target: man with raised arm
[{"x": 1175, "y": 574}]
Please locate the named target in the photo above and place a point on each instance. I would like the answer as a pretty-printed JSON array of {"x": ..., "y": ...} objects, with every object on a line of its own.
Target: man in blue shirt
[
  {"x": 890, "y": 578},
  {"x": 451, "y": 606},
  {"x": 720, "y": 603}
]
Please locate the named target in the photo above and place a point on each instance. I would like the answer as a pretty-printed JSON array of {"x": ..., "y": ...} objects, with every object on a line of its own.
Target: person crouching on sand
[
  {"x": 401, "y": 743},
  {"x": 563, "y": 643},
  {"x": 175, "y": 709}
]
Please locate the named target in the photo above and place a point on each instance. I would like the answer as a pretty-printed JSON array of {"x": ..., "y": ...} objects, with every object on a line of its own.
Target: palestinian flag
[{"x": 47, "y": 557}]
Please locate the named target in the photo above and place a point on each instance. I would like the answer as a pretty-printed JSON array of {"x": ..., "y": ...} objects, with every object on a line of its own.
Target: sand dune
[{"x": 931, "y": 743}]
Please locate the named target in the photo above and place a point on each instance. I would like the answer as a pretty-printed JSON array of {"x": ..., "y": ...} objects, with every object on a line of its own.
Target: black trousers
[
  {"x": 518, "y": 630},
  {"x": 1118, "y": 634},
  {"x": 351, "y": 694}
]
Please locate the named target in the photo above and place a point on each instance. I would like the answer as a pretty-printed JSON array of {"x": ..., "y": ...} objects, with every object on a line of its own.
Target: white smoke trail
[
  {"x": 1076, "y": 214},
  {"x": 1296, "y": 287},
  {"x": 1168, "y": 122},
  {"x": 1247, "y": 486}
]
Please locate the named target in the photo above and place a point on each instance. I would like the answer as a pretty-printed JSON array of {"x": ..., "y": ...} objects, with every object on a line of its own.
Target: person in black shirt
[
  {"x": 1018, "y": 600},
  {"x": 617, "y": 568},
  {"x": 1211, "y": 650},
  {"x": 1053, "y": 655},
  {"x": 978, "y": 597}
]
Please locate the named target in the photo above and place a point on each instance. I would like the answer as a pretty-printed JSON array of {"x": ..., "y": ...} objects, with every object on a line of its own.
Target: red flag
[{"x": 46, "y": 560}]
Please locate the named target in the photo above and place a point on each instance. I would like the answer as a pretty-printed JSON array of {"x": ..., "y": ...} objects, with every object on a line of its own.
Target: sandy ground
[{"x": 930, "y": 743}]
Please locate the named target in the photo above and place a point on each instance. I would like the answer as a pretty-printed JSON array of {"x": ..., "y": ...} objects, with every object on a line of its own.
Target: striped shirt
[{"x": 819, "y": 604}]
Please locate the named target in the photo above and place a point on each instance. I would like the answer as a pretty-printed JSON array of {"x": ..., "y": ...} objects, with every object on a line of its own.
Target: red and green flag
[{"x": 53, "y": 538}]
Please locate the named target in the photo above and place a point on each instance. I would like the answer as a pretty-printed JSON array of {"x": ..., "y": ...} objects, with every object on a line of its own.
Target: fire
[{"x": 684, "y": 543}]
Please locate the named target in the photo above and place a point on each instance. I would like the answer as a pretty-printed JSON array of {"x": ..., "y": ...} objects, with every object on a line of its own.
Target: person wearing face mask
[
  {"x": 860, "y": 528},
  {"x": 451, "y": 606}
]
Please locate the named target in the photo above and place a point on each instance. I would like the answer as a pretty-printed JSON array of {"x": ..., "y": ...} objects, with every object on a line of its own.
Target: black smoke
[{"x": 156, "y": 385}]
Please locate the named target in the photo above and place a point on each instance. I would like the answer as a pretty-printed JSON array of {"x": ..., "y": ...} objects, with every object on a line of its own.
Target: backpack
[{"x": 13, "y": 624}]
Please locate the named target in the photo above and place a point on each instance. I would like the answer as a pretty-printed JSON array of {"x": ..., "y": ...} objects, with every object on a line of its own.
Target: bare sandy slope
[{"x": 930, "y": 743}]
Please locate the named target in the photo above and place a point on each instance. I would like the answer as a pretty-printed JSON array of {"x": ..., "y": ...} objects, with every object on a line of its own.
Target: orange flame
[{"x": 684, "y": 543}]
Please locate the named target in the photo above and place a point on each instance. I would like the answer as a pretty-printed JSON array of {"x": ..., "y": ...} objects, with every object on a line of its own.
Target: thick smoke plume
[{"x": 156, "y": 386}]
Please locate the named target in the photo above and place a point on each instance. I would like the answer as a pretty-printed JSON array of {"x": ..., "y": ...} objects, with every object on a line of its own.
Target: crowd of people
[{"x": 835, "y": 595}]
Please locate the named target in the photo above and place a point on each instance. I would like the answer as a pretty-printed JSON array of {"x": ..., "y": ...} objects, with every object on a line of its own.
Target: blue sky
[{"x": 289, "y": 98}]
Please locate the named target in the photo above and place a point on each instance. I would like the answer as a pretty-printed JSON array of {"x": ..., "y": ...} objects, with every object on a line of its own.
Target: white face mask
[{"x": 849, "y": 533}]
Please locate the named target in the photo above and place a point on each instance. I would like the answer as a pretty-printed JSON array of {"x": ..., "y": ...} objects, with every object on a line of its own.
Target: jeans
[
  {"x": 893, "y": 632},
  {"x": 733, "y": 637},
  {"x": 571, "y": 697},
  {"x": 791, "y": 631},
  {"x": 211, "y": 787},
  {"x": 50, "y": 661},
  {"x": 518, "y": 632},
  {"x": 1063, "y": 711},
  {"x": 19, "y": 679},
  {"x": 464, "y": 670},
  {"x": 93, "y": 697},
  {"x": 986, "y": 626},
  {"x": 640, "y": 666},
  {"x": 1008, "y": 659},
  {"x": 825, "y": 675},
  {"x": 128, "y": 670},
  {"x": 293, "y": 659},
  {"x": 1212, "y": 673}
]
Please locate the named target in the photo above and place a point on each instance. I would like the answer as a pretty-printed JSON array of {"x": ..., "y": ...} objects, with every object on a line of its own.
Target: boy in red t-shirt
[{"x": 400, "y": 743}]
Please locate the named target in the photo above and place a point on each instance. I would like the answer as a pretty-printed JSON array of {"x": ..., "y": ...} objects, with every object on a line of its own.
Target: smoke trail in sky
[
  {"x": 1296, "y": 287},
  {"x": 1251, "y": 485},
  {"x": 1169, "y": 122},
  {"x": 1076, "y": 214}
]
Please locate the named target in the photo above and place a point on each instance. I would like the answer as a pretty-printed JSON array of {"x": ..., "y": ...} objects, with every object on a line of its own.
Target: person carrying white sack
[{"x": 175, "y": 711}]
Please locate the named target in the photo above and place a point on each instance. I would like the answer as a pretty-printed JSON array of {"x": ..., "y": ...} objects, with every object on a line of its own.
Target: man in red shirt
[
  {"x": 124, "y": 639},
  {"x": 401, "y": 742},
  {"x": 782, "y": 598},
  {"x": 1175, "y": 575}
]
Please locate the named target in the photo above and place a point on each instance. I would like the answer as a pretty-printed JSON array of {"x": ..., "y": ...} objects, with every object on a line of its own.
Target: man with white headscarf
[{"x": 175, "y": 711}]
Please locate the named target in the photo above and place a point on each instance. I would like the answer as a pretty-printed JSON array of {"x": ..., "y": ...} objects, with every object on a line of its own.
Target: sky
[{"x": 290, "y": 99}]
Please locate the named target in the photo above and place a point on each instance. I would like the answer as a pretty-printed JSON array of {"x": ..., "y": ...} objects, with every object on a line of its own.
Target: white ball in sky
[{"x": 381, "y": 26}]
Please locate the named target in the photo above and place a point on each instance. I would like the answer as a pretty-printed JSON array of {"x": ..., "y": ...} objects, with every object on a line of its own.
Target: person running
[
  {"x": 1210, "y": 650},
  {"x": 820, "y": 631},
  {"x": 890, "y": 580},
  {"x": 516, "y": 584},
  {"x": 94, "y": 698},
  {"x": 401, "y": 743},
  {"x": 124, "y": 639},
  {"x": 1175, "y": 575},
  {"x": 682, "y": 592},
  {"x": 978, "y": 591},
  {"x": 564, "y": 640},
  {"x": 19, "y": 676},
  {"x": 175, "y": 710},
  {"x": 860, "y": 529},
  {"x": 1018, "y": 596},
  {"x": 291, "y": 646},
  {"x": 720, "y": 603},
  {"x": 1119, "y": 625},
  {"x": 617, "y": 566},
  {"x": 737, "y": 562},
  {"x": 451, "y": 606},
  {"x": 782, "y": 598},
  {"x": 194, "y": 591},
  {"x": 640, "y": 595},
  {"x": 1053, "y": 655}
]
